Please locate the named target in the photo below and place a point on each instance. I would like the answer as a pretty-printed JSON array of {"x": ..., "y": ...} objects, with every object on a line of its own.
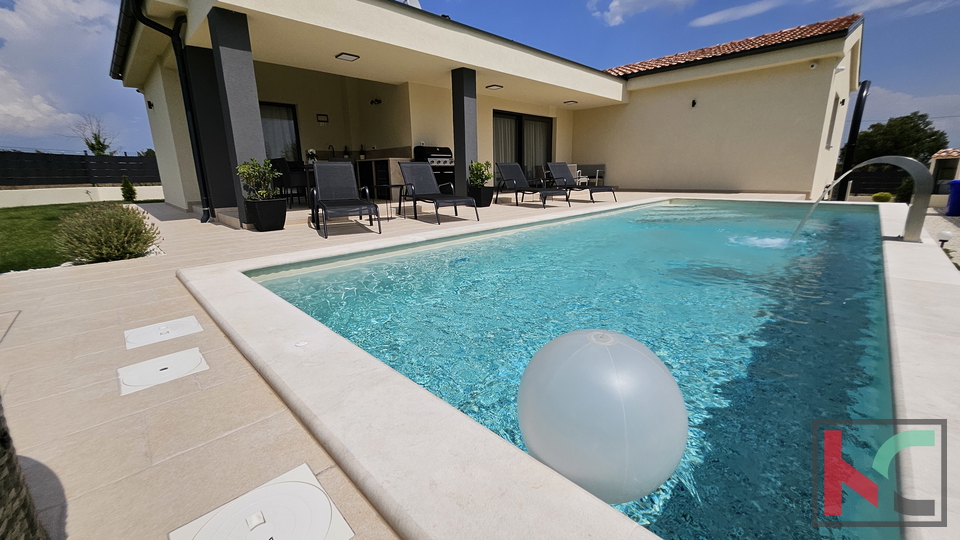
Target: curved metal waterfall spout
[{"x": 922, "y": 189}]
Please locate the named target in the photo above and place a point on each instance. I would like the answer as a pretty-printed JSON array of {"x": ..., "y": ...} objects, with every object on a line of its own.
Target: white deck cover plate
[
  {"x": 155, "y": 333},
  {"x": 159, "y": 370},
  {"x": 292, "y": 506}
]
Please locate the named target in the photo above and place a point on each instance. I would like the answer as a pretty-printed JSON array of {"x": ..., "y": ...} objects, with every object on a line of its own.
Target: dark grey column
[
  {"x": 464, "y": 125},
  {"x": 233, "y": 61}
]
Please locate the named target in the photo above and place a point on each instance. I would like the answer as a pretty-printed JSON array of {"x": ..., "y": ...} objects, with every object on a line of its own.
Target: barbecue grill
[{"x": 440, "y": 159}]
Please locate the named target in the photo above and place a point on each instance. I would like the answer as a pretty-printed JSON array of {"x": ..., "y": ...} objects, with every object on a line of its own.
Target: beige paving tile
[
  {"x": 150, "y": 504},
  {"x": 95, "y": 457},
  {"x": 31, "y": 328},
  {"x": 196, "y": 419},
  {"x": 362, "y": 518},
  {"x": 914, "y": 305},
  {"x": 52, "y": 379},
  {"x": 58, "y": 416},
  {"x": 226, "y": 364},
  {"x": 13, "y": 359},
  {"x": 54, "y": 521},
  {"x": 170, "y": 308}
]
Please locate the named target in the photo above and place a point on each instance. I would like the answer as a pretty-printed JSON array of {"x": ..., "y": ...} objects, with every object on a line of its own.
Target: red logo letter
[{"x": 837, "y": 472}]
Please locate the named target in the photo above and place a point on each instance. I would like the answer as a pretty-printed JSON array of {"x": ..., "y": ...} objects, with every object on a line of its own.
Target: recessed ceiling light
[
  {"x": 494, "y": 86},
  {"x": 347, "y": 56},
  {"x": 571, "y": 102}
]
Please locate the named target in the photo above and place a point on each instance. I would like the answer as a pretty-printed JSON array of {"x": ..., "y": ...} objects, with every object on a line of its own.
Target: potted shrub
[
  {"x": 480, "y": 173},
  {"x": 265, "y": 209}
]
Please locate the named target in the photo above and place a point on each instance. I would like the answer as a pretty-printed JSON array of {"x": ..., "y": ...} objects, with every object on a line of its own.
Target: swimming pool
[{"x": 761, "y": 339}]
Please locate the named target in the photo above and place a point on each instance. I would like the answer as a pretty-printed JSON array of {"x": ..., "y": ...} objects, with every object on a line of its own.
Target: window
[
  {"x": 523, "y": 139},
  {"x": 281, "y": 137}
]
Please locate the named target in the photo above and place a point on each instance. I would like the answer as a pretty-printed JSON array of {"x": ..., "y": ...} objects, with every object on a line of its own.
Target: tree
[
  {"x": 90, "y": 129},
  {"x": 912, "y": 136},
  {"x": 148, "y": 152}
]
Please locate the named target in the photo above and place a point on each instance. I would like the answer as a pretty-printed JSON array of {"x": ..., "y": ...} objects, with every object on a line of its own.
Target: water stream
[{"x": 816, "y": 203}]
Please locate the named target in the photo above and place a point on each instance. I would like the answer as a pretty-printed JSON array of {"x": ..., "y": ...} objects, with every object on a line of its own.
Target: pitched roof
[
  {"x": 784, "y": 38},
  {"x": 947, "y": 153}
]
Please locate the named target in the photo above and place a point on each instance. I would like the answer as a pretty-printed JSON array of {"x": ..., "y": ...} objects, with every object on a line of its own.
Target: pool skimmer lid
[
  {"x": 160, "y": 370},
  {"x": 155, "y": 333},
  {"x": 292, "y": 506}
]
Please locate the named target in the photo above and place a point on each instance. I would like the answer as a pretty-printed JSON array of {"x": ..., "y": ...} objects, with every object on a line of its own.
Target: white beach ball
[{"x": 601, "y": 409}]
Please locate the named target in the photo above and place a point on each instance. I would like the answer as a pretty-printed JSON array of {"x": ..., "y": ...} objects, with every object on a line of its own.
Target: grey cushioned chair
[
  {"x": 564, "y": 179},
  {"x": 513, "y": 179},
  {"x": 421, "y": 185},
  {"x": 335, "y": 194},
  {"x": 291, "y": 183}
]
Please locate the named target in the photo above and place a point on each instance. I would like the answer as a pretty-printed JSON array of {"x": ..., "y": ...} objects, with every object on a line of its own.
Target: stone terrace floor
[{"x": 141, "y": 465}]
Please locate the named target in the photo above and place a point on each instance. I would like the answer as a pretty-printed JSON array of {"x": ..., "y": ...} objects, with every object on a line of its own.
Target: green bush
[
  {"x": 106, "y": 232},
  {"x": 127, "y": 191},
  {"x": 480, "y": 173},
  {"x": 257, "y": 179},
  {"x": 883, "y": 196},
  {"x": 905, "y": 191}
]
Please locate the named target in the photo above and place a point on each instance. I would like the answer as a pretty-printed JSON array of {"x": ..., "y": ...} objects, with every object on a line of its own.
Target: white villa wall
[
  {"x": 171, "y": 139},
  {"x": 761, "y": 129},
  {"x": 431, "y": 115}
]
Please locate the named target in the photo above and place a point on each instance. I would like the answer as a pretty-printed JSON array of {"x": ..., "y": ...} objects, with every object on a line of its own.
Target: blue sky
[{"x": 55, "y": 54}]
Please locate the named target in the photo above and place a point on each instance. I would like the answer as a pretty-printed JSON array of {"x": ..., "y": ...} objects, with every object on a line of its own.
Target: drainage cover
[
  {"x": 155, "y": 333},
  {"x": 292, "y": 506},
  {"x": 288, "y": 510},
  {"x": 160, "y": 370}
]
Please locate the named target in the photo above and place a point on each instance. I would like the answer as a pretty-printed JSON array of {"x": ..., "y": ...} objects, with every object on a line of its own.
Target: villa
[
  {"x": 377, "y": 78},
  {"x": 280, "y": 385}
]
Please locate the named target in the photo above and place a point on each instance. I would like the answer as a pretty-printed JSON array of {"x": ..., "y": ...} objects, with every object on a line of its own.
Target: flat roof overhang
[{"x": 396, "y": 44}]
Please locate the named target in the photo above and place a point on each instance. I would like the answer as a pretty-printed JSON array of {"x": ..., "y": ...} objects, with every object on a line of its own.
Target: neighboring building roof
[
  {"x": 791, "y": 37},
  {"x": 947, "y": 153}
]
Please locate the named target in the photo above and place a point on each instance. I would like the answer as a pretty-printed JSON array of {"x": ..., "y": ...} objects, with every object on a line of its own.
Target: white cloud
[
  {"x": 883, "y": 104},
  {"x": 618, "y": 10},
  {"x": 867, "y": 5},
  {"x": 29, "y": 115},
  {"x": 928, "y": 7},
  {"x": 54, "y": 63},
  {"x": 736, "y": 13}
]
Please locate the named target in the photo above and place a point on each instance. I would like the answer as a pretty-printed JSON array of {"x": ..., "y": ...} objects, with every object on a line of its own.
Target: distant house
[
  {"x": 944, "y": 168},
  {"x": 271, "y": 79}
]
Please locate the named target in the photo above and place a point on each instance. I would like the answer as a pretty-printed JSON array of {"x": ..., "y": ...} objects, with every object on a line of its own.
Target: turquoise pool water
[{"x": 762, "y": 338}]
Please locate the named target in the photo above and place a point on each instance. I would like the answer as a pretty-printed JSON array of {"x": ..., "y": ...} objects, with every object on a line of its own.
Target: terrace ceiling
[{"x": 308, "y": 45}]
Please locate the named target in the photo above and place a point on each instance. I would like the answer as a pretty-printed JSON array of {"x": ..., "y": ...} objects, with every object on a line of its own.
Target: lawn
[{"x": 26, "y": 236}]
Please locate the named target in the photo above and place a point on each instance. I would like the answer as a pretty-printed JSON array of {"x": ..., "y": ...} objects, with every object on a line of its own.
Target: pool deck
[{"x": 141, "y": 465}]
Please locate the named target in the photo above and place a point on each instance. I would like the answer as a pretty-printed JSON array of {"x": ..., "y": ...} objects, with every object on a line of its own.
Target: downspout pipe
[
  {"x": 177, "y": 43},
  {"x": 840, "y": 193}
]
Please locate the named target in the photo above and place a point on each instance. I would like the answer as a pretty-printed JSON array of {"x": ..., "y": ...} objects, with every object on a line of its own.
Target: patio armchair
[
  {"x": 565, "y": 180},
  {"x": 291, "y": 183},
  {"x": 335, "y": 194},
  {"x": 513, "y": 179},
  {"x": 421, "y": 185}
]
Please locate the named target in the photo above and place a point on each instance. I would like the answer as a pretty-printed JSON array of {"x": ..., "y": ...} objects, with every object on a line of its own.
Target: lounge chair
[
  {"x": 335, "y": 194},
  {"x": 565, "y": 180},
  {"x": 512, "y": 178},
  {"x": 421, "y": 185}
]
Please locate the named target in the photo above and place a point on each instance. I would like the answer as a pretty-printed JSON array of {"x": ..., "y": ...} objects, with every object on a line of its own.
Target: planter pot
[
  {"x": 268, "y": 215},
  {"x": 483, "y": 195}
]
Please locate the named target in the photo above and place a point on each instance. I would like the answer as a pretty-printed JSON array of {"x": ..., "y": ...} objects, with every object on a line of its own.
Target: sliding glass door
[
  {"x": 524, "y": 139},
  {"x": 281, "y": 138}
]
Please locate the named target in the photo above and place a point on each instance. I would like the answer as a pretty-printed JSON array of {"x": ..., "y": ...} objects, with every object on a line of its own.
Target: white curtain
[
  {"x": 504, "y": 139},
  {"x": 536, "y": 145},
  {"x": 279, "y": 132}
]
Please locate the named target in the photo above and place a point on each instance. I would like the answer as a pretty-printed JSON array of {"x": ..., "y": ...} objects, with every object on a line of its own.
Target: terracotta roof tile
[
  {"x": 766, "y": 40},
  {"x": 947, "y": 153}
]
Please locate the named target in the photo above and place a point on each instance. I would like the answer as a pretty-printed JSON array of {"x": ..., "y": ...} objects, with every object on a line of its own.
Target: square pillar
[
  {"x": 464, "y": 125},
  {"x": 233, "y": 63}
]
